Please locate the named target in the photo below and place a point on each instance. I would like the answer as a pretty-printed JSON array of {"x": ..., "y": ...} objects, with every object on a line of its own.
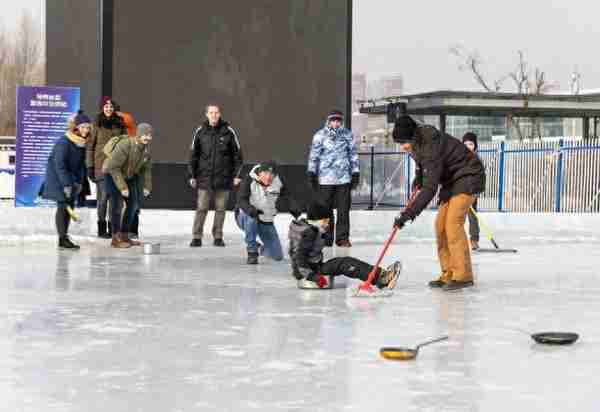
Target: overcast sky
[
  {"x": 10, "y": 10},
  {"x": 413, "y": 37}
]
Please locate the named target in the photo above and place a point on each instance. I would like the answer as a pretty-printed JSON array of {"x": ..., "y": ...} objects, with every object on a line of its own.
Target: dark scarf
[{"x": 112, "y": 122}]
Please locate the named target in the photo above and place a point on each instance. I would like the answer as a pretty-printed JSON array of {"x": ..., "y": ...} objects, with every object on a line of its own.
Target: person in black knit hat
[
  {"x": 307, "y": 240},
  {"x": 65, "y": 174},
  {"x": 470, "y": 140}
]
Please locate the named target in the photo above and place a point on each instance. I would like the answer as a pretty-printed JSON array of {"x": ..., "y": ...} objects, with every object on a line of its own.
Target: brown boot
[
  {"x": 118, "y": 243},
  {"x": 441, "y": 281},
  {"x": 125, "y": 238}
]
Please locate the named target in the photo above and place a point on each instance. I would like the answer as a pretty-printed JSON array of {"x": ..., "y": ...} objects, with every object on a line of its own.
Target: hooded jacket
[
  {"x": 66, "y": 166},
  {"x": 253, "y": 195},
  {"x": 103, "y": 130},
  {"x": 216, "y": 156},
  {"x": 333, "y": 156},
  {"x": 444, "y": 162},
  {"x": 129, "y": 159},
  {"x": 306, "y": 248}
]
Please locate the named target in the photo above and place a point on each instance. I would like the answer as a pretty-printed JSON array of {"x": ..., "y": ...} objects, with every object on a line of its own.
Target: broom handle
[
  {"x": 381, "y": 255},
  {"x": 387, "y": 244},
  {"x": 486, "y": 231}
]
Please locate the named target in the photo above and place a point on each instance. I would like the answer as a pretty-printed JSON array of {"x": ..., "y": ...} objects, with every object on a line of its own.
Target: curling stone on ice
[{"x": 151, "y": 248}]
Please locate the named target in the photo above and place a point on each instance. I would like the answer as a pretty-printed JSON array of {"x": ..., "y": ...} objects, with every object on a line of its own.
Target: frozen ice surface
[{"x": 198, "y": 330}]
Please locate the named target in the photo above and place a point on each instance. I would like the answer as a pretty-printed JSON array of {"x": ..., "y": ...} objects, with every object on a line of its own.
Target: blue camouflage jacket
[{"x": 333, "y": 156}]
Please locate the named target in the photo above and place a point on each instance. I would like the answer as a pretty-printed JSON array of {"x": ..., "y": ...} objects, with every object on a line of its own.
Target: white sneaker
[{"x": 389, "y": 279}]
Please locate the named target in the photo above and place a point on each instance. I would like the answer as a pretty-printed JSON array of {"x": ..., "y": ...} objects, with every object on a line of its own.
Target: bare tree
[{"x": 521, "y": 76}]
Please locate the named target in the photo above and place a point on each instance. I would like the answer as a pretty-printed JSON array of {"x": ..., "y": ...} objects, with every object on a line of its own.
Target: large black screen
[{"x": 276, "y": 67}]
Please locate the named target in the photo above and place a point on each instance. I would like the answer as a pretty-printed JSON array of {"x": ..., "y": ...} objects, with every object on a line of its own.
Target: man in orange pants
[{"x": 444, "y": 162}]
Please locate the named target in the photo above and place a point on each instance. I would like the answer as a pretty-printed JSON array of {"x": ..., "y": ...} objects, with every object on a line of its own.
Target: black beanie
[
  {"x": 317, "y": 210},
  {"x": 404, "y": 129},
  {"x": 470, "y": 137},
  {"x": 266, "y": 167}
]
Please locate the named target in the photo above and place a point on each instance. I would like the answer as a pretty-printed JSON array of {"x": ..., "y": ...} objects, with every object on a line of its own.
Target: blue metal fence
[{"x": 557, "y": 176}]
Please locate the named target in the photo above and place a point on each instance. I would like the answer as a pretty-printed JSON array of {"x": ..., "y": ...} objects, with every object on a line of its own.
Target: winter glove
[
  {"x": 254, "y": 212},
  {"x": 91, "y": 172},
  {"x": 146, "y": 193},
  {"x": 400, "y": 221},
  {"x": 193, "y": 183},
  {"x": 125, "y": 193},
  {"x": 313, "y": 180},
  {"x": 68, "y": 190},
  {"x": 355, "y": 180}
]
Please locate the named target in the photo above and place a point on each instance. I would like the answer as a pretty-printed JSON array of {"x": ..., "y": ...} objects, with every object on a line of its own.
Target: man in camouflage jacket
[{"x": 333, "y": 170}]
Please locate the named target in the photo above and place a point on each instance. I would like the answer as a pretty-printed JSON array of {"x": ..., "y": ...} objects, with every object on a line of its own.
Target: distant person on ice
[
  {"x": 442, "y": 161},
  {"x": 307, "y": 240},
  {"x": 128, "y": 175},
  {"x": 333, "y": 170},
  {"x": 214, "y": 170},
  {"x": 470, "y": 140},
  {"x": 65, "y": 173},
  {"x": 259, "y": 198}
]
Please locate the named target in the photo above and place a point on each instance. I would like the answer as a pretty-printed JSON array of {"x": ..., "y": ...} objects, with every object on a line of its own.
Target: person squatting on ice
[
  {"x": 307, "y": 240},
  {"x": 259, "y": 198},
  {"x": 108, "y": 125},
  {"x": 65, "y": 173},
  {"x": 214, "y": 168},
  {"x": 442, "y": 160},
  {"x": 333, "y": 171},
  {"x": 128, "y": 175},
  {"x": 470, "y": 140}
]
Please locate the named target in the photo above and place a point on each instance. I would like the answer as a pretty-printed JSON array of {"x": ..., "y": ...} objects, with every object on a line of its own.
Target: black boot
[
  {"x": 102, "y": 230},
  {"x": 65, "y": 243},
  {"x": 252, "y": 258}
]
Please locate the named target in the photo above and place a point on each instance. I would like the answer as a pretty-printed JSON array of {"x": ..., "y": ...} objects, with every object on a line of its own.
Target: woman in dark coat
[{"x": 65, "y": 173}]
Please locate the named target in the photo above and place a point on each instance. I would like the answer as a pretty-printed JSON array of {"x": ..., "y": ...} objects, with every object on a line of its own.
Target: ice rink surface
[{"x": 198, "y": 330}]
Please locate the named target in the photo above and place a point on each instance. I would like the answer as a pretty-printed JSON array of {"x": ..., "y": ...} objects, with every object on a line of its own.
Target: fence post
[
  {"x": 559, "y": 168},
  {"x": 407, "y": 160},
  {"x": 372, "y": 176},
  {"x": 501, "y": 179}
]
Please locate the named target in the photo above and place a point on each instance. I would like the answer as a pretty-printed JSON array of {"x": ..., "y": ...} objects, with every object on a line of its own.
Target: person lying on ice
[
  {"x": 307, "y": 240},
  {"x": 442, "y": 161},
  {"x": 259, "y": 197}
]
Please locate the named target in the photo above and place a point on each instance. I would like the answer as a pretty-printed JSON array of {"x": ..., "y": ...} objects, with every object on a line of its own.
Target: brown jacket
[
  {"x": 443, "y": 162},
  {"x": 102, "y": 131},
  {"x": 129, "y": 159}
]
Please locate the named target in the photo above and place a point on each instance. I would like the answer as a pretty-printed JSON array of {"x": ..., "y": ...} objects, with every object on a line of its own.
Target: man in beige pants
[
  {"x": 214, "y": 169},
  {"x": 442, "y": 162}
]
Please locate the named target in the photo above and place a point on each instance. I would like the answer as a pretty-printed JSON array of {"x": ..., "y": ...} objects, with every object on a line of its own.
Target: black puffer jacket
[
  {"x": 216, "y": 156},
  {"x": 443, "y": 161}
]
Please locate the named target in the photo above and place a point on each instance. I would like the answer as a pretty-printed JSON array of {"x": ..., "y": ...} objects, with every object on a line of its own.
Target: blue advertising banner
[{"x": 42, "y": 116}]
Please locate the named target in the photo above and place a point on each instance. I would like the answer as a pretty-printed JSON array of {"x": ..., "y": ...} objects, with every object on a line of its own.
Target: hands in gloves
[
  {"x": 313, "y": 180},
  {"x": 355, "y": 180},
  {"x": 400, "y": 221}
]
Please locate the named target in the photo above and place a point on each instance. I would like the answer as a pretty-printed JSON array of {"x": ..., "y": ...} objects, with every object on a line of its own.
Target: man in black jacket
[
  {"x": 444, "y": 162},
  {"x": 214, "y": 167}
]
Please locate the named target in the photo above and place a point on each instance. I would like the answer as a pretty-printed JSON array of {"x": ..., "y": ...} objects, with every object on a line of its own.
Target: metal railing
[{"x": 539, "y": 176}]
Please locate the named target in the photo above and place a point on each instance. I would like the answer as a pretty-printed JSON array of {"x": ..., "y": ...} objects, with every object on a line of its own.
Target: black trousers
[
  {"x": 62, "y": 219},
  {"x": 337, "y": 197},
  {"x": 346, "y": 266},
  {"x": 473, "y": 224}
]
